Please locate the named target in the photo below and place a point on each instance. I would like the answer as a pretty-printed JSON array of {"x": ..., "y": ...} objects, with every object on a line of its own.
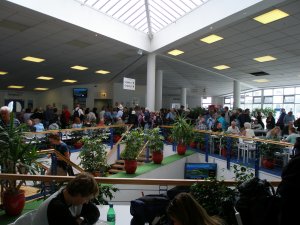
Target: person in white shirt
[
  {"x": 248, "y": 132},
  {"x": 233, "y": 129}
]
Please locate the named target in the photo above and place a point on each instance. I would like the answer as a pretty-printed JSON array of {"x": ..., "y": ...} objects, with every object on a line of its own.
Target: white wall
[
  {"x": 191, "y": 101},
  {"x": 129, "y": 97}
]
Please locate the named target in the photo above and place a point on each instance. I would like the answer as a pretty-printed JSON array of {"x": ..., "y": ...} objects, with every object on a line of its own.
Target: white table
[{"x": 123, "y": 216}]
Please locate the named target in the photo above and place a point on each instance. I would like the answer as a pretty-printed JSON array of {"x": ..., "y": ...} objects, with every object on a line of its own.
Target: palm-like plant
[
  {"x": 182, "y": 131},
  {"x": 134, "y": 141}
]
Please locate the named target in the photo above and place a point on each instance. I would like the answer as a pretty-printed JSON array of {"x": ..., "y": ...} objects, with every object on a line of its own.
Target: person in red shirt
[{"x": 65, "y": 118}]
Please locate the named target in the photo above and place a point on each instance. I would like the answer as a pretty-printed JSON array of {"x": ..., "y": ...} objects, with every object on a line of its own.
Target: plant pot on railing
[
  {"x": 181, "y": 149},
  {"x": 193, "y": 144},
  {"x": 130, "y": 166},
  {"x": 77, "y": 144},
  {"x": 155, "y": 143},
  {"x": 268, "y": 163},
  {"x": 13, "y": 202}
]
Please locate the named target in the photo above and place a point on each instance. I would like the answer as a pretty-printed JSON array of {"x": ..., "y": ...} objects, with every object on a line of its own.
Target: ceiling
[{"x": 24, "y": 32}]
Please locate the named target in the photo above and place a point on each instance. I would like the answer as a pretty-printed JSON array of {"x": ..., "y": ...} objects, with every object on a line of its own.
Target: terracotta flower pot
[
  {"x": 117, "y": 138},
  {"x": 13, "y": 203},
  {"x": 130, "y": 166},
  {"x": 78, "y": 145},
  {"x": 193, "y": 144},
  {"x": 268, "y": 163},
  {"x": 181, "y": 149},
  {"x": 157, "y": 157}
]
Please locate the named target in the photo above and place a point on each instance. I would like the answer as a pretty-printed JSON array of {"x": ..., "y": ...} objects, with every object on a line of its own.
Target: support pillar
[
  {"x": 158, "y": 90},
  {"x": 236, "y": 94},
  {"x": 183, "y": 97},
  {"x": 150, "y": 94}
]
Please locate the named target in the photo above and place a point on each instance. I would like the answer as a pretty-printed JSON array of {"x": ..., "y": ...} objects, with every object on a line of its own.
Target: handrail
[
  {"x": 76, "y": 129},
  {"x": 143, "y": 149},
  {"x": 107, "y": 180},
  {"x": 62, "y": 157},
  {"x": 286, "y": 144},
  {"x": 111, "y": 151}
]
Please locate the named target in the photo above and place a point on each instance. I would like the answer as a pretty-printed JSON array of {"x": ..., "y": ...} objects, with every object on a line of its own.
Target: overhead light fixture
[
  {"x": 175, "y": 52},
  {"x": 69, "y": 81},
  {"x": 271, "y": 16},
  {"x": 41, "y": 89},
  {"x": 102, "y": 71},
  {"x": 44, "y": 78},
  {"x": 261, "y": 80},
  {"x": 33, "y": 59},
  {"x": 15, "y": 86},
  {"x": 266, "y": 58},
  {"x": 211, "y": 39},
  {"x": 221, "y": 67},
  {"x": 3, "y": 73},
  {"x": 79, "y": 67}
]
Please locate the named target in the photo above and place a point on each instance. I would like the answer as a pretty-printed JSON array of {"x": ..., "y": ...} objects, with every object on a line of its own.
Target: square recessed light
[
  {"x": 69, "y": 81},
  {"x": 102, "y": 71},
  {"x": 221, "y": 67},
  {"x": 261, "y": 80},
  {"x": 44, "y": 78},
  {"x": 266, "y": 58},
  {"x": 211, "y": 39},
  {"x": 33, "y": 59},
  {"x": 15, "y": 86},
  {"x": 3, "y": 73},
  {"x": 41, "y": 89},
  {"x": 79, "y": 67},
  {"x": 271, "y": 16},
  {"x": 175, "y": 52}
]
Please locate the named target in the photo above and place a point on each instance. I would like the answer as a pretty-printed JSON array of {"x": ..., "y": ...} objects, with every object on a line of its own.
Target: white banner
[{"x": 128, "y": 83}]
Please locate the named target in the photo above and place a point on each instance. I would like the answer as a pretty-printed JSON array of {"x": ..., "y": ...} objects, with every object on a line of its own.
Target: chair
[
  {"x": 245, "y": 147},
  {"x": 25, "y": 219}
]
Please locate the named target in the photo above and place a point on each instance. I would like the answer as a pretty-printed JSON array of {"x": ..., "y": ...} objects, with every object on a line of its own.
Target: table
[
  {"x": 123, "y": 216},
  {"x": 260, "y": 132}
]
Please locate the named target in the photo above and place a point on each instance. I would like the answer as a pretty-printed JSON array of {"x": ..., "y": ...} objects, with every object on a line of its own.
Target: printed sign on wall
[{"x": 128, "y": 83}]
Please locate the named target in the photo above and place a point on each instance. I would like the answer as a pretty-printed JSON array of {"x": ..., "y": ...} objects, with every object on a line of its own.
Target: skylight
[{"x": 148, "y": 16}]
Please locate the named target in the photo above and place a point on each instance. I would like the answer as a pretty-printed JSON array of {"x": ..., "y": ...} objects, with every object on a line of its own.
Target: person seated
[
  {"x": 233, "y": 129},
  {"x": 5, "y": 118},
  {"x": 256, "y": 126},
  {"x": 248, "y": 132},
  {"x": 275, "y": 133},
  {"x": 287, "y": 128},
  {"x": 30, "y": 126},
  {"x": 77, "y": 123},
  {"x": 292, "y": 136},
  {"x": 217, "y": 127},
  {"x": 201, "y": 124},
  {"x": 71, "y": 205},
  {"x": 185, "y": 210},
  {"x": 38, "y": 125}
]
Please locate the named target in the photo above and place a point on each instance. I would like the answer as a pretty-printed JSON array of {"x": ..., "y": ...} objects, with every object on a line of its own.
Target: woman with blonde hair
[{"x": 185, "y": 210}]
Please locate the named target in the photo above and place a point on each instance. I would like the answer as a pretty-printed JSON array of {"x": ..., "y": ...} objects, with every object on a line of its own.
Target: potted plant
[
  {"x": 16, "y": 156},
  {"x": 93, "y": 155},
  {"x": 134, "y": 141},
  {"x": 182, "y": 133},
  {"x": 155, "y": 144},
  {"x": 267, "y": 152},
  {"x": 118, "y": 131}
]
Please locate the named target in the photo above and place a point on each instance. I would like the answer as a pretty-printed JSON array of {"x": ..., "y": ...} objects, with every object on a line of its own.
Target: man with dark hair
[{"x": 70, "y": 205}]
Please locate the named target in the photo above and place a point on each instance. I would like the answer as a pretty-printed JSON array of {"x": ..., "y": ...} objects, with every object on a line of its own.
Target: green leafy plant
[
  {"x": 242, "y": 173},
  {"x": 155, "y": 140},
  {"x": 133, "y": 140},
  {"x": 93, "y": 154},
  {"x": 16, "y": 155},
  {"x": 268, "y": 150},
  {"x": 105, "y": 192},
  {"x": 182, "y": 131}
]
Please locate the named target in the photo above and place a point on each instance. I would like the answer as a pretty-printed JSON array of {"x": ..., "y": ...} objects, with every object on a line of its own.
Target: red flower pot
[
  {"x": 181, "y": 149},
  {"x": 78, "y": 145},
  {"x": 14, "y": 202},
  {"x": 157, "y": 157},
  {"x": 268, "y": 163},
  {"x": 130, "y": 166},
  {"x": 193, "y": 144},
  {"x": 117, "y": 138}
]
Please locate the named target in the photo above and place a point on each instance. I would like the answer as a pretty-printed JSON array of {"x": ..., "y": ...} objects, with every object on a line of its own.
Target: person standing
[
  {"x": 280, "y": 121},
  {"x": 270, "y": 121}
]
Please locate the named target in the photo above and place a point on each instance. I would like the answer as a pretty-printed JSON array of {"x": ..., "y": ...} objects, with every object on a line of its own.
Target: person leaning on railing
[{"x": 71, "y": 205}]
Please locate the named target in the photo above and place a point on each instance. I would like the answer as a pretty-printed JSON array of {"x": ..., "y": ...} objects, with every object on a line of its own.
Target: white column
[
  {"x": 150, "y": 97},
  {"x": 158, "y": 90},
  {"x": 236, "y": 94},
  {"x": 183, "y": 97}
]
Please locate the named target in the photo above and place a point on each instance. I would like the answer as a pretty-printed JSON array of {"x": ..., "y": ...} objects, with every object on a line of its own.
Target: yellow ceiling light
[
  {"x": 261, "y": 80},
  {"x": 33, "y": 59},
  {"x": 271, "y": 16},
  {"x": 41, "y": 89},
  {"x": 175, "y": 52},
  {"x": 221, "y": 67},
  {"x": 79, "y": 67},
  {"x": 102, "y": 71},
  {"x": 3, "y": 73},
  {"x": 69, "y": 81},
  {"x": 266, "y": 58},
  {"x": 211, "y": 39},
  {"x": 44, "y": 78},
  {"x": 15, "y": 86}
]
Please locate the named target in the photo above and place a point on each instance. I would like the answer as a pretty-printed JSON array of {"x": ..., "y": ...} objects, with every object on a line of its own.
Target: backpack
[
  {"x": 151, "y": 209},
  {"x": 76, "y": 114}
]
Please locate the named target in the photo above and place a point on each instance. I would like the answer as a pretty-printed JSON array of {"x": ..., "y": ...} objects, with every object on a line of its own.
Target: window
[
  {"x": 297, "y": 90},
  {"x": 278, "y": 91},
  {"x": 227, "y": 100},
  {"x": 289, "y": 91},
  {"x": 206, "y": 100},
  {"x": 297, "y": 110},
  {"x": 289, "y": 99},
  {"x": 268, "y": 100},
  {"x": 256, "y": 106},
  {"x": 248, "y": 94},
  {"x": 297, "y": 98},
  {"x": 289, "y": 107},
  {"x": 267, "y": 106},
  {"x": 242, "y": 100},
  {"x": 268, "y": 92},
  {"x": 278, "y": 99},
  {"x": 257, "y": 93},
  {"x": 248, "y": 100},
  {"x": 257, "y": 100}
]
